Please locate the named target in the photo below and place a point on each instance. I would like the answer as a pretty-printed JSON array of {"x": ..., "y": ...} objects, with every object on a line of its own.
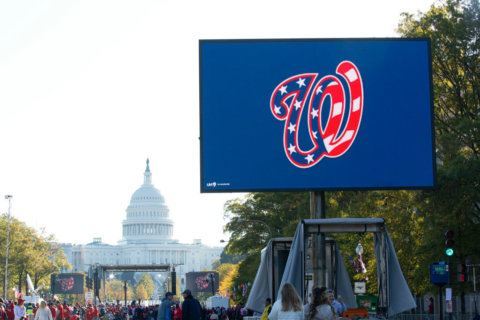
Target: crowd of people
[
  {"x": 189, "y": 309},
  {"x": 323, "y": 306}
]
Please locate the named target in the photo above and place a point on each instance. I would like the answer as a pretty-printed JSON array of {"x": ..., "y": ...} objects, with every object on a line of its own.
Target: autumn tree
[
  {"x": 145, "y": 287},
  {"x": 30, "y": 253}
]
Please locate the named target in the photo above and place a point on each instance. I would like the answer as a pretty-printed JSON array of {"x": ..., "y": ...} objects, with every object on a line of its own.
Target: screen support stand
[
  {"x": 318, "y": 211},
  {"x": 440, "y": 302}
]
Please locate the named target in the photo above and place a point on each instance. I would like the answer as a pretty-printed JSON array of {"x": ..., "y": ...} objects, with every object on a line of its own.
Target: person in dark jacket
[
  {"x": 191, "y": 309},
  {"x": 165, "y": 309}
]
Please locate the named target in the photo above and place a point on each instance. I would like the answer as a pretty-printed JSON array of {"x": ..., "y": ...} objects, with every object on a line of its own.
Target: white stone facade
[{"x": 147, "y": 239}]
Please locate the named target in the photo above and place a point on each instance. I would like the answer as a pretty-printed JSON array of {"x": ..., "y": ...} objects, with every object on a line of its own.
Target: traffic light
[{"x": 449, "y": 243}]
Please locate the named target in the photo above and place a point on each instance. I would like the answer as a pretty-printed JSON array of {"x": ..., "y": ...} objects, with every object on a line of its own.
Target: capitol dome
[{"x": 147, "y": 215}]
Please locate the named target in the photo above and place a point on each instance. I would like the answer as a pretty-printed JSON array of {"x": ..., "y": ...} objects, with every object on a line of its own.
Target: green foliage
[
  {"x": 114, "y": 290},
  {"x": 30, "y": 252},
  {"x": 416, "y": 220},
  {"x": 454, "y": 30},
  {"x": 259, "y": 217}
]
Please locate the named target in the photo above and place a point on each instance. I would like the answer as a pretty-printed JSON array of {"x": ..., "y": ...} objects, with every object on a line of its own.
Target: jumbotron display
[
  {"x": 202, "y": 281},
  {"x": 67, "y": 283},
  {"x": 316, "y": 114}
]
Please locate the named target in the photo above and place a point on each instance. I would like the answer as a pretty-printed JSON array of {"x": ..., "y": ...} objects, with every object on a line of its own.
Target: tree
[
  {"x": 141, "y": 293},
  {"x": 30, "y": 252},
  {"x": 454, "y": 29},
  {"x": 145, "y": 287},
  {"x": 253, "y": 220},
  {"x": 227, "y": 273},
  {"x": 114, "y": 290},
  {"x": 416, "y": 220}
]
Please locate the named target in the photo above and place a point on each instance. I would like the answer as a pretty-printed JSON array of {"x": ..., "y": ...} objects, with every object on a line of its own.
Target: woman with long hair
[
  {"x": 289, "y": 307},
  {"x": 43, "y": 313},
  {"x": 320, "y": 307}
]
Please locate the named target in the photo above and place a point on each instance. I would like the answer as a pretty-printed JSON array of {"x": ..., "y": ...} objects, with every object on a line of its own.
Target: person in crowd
[
  {"x": 3, "y": 312},
  {"x": 319, "y": 308},
  {"x": 430, "y": 305},
  {"x": 59, "y": 311},
  {"x": 43, "y": 312},
  {"x": 165, "y": 309},
  {"x": 267, "y": 309},
  {"x": 65, "y": 311},
  {"x": 223, "y": 314},
  {"x": 75, "y": 314},
  {"x": 9, "y": 308},
  {"x": 177, "y": 312},
  {"x": 191, "y": 309},
  {"x": 19, "y": 310},
  {"x": 90, "y": 313},
  {"x": 338, "y": 305},
  {"x": 53, "y": 310},
  {"x": 213, "y": 315},
  {"x": 289, "y": 306}
]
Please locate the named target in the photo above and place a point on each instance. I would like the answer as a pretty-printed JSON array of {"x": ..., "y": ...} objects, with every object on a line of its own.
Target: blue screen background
[{"x": 241, "y": 141}]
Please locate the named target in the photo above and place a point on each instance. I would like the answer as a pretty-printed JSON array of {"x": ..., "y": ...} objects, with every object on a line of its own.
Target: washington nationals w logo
[{"x": 331, "y": 137}]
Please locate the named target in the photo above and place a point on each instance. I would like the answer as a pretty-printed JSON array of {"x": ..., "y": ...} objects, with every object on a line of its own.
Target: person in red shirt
[
  {"x": 177, "y": 312},
  {"x": 66, "y": 311},
  {"x": 90, "y": 313},
  {"x": 59, "y": 311},
  {"x": 53, "y": 310},
  {"x": 10, "y": 312}
]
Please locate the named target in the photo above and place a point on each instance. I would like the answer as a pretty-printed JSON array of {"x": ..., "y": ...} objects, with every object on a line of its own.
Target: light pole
[
  {"x": 211, "y": 276},
  {"x": 9, "y": 198}
]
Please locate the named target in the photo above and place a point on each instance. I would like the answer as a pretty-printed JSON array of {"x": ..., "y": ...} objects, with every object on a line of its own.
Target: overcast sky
[{"x": 90, "y": 89}]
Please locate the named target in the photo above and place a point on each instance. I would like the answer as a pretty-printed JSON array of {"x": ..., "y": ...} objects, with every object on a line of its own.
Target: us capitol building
[{"x": 147, "y": 239}]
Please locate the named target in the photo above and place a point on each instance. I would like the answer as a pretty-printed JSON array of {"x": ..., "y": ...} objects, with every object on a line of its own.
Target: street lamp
[{"x": 7, "y": 245}]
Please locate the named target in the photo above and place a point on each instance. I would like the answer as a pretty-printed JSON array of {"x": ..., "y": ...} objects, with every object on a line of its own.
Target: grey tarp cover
[
  {"x": 400, "y": 298},
  {"x": 262, "y": 286},
  {"x": 293, "y": 270}
]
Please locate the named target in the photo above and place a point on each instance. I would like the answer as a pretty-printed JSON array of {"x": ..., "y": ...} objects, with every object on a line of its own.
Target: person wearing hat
[
  {"x": 165, "y": 309},
  {"x": 191, "y": 309},
  {"x": 19, "y": 310}
]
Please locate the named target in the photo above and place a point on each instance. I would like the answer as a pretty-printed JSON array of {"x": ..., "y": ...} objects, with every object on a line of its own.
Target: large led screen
[
  {"x": 67, "y": 283},
  {"x": 316, "y": 114},
  {"x": 202, "y": 281}
]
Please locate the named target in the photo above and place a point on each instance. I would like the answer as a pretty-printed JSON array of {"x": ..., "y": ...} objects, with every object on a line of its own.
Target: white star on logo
[
  {"x": 309, "y": 158},
  {"x": 277, "y": 110},
  {"x": 291, "y": 127},
  {"x": 315, "y": 134},
  {"x": 319, "y": 90},
  {"x": 314, "y": 113},
  {"x": 297, "y": 105},
  {"x": 301, "y": 82},
  {"x": 292, "y": 149},
  {"x": 283, "y": 90}
]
